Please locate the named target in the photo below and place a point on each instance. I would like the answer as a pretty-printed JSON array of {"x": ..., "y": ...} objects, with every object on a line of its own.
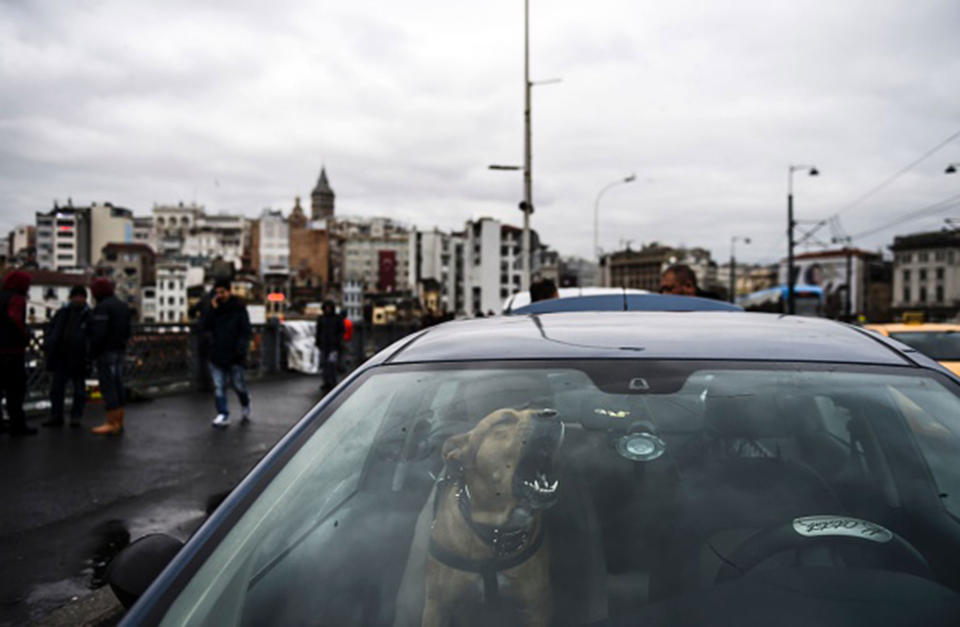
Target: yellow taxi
[{"x": 939, "y": 340}]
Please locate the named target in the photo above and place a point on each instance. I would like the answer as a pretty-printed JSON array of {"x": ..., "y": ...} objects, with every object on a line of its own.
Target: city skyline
[{"x": 406, "y": 107}]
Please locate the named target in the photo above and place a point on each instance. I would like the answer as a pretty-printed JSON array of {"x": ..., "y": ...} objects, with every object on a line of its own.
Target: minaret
[{"x": 322, "y": 197}]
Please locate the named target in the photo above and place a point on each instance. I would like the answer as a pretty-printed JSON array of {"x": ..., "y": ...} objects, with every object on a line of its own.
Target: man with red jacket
[{"x": 14, "y": 338}]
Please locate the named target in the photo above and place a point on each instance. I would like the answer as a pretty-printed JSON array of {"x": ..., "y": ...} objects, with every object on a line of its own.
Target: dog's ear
[{"x": 455, "y": 448}]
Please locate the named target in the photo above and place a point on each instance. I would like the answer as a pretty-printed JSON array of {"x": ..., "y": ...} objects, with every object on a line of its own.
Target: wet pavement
[{"x": 72, "y": 500}]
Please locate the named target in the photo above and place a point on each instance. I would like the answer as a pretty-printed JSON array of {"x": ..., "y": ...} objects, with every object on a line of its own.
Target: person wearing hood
[
  {"x": 65, "y": 345},
  {"x": 109, "y": 334},
  {"x": 329, "y": 338},
  {"x": 228, "y": 327},
  {"x": 14, "y": 337}
]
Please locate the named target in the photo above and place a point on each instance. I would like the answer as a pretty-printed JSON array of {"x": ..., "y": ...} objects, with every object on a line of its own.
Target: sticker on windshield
[{"x": 814, "y": 526}]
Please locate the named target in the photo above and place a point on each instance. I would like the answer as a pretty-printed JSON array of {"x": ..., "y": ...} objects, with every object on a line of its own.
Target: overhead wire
[
  {"x": 946, "y": 204},
  {"x": 890, "y": 179}
]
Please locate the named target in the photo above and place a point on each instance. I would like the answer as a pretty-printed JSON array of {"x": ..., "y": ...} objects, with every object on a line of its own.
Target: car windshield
[
  {"x": 940, "y": 345},
  {"x": 574, "y": 493}
]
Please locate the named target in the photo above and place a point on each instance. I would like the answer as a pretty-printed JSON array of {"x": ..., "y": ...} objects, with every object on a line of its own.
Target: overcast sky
[{"x": 237, "y": 105}]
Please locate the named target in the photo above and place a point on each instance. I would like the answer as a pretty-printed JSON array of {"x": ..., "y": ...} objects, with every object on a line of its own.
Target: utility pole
[
  {"x": 791, "y": 296},
  {"x": 527, "y": 204}
]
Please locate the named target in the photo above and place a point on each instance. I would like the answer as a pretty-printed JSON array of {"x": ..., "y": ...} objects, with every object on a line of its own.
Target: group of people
[{"x": 76, "y": 336}]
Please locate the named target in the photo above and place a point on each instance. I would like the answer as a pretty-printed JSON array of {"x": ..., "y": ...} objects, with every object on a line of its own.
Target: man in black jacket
[
  {"x": 109, "y": 333},
  {"x": 329, "y": 338},
  {"x": 228, "y": 326},
  {"x": 65, "y": 345}
]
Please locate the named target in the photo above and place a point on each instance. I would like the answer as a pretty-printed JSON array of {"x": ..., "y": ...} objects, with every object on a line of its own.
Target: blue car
[{"x": 593, "y": 468}]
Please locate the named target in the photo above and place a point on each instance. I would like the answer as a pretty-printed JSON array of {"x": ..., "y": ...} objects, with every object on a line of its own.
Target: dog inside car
[{"x": 489, "y": 559}]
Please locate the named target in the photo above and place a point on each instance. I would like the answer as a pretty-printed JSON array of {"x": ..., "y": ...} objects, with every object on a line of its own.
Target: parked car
[
  {"x": 941, "y": 341},
  {"x": 630, "y": 468}
]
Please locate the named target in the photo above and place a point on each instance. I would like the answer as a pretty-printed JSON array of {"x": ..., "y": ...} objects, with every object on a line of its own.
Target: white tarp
[{"x": 302, "y": 352}]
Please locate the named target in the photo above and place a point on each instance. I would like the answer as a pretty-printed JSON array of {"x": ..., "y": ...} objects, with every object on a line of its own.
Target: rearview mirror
[{"x": 133, "y": 569}]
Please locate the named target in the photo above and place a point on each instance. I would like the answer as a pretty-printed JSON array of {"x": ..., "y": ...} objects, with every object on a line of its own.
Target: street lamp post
[
  {"x": 733, "y": 265},
  {"x": 791, "y": 300},
  {"x": 527, "y": 206},
  {"x": 596, "y": 211}
]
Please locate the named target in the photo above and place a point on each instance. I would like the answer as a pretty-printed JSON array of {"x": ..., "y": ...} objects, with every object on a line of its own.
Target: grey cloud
[{"x": 407, "y": 104}]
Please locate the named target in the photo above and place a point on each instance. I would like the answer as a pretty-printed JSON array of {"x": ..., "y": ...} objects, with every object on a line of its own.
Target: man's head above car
[
  {"x": 544, "y": 289},
  {"x": 679, "y": 279}
]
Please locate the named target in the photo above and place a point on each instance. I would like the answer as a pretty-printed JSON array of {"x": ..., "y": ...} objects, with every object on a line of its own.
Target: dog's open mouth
[{"x": 536, "y": 482}]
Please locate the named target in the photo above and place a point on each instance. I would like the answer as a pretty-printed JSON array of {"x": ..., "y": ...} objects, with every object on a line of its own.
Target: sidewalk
[{"x": 71, "y": 499}]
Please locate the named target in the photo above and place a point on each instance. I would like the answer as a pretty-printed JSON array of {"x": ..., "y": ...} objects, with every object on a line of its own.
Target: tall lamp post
[
  {"x": 733, "y": 265},
  {"x": 526, "y": 205},
  {"x": 596, "y": 211},
  {"x": 791, "y": 300}
]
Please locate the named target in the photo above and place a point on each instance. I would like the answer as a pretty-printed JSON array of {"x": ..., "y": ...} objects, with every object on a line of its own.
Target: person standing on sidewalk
[
  {"x": 329, "y": 339},
  {"x": 65, "y": 345},
  {"x": 109, "y": 334},
  {"x": 228, "y": 326},
  {"x": 14, "y": 337}
]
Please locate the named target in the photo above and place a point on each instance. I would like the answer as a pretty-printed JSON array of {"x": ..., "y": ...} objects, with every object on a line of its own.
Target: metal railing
[{"x": 169, "y": 357}]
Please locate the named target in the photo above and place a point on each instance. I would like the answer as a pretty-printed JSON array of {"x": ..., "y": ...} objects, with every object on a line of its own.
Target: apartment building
[
  {"x": 926, "y": 274},
  {"x": 63, "y": 238},
  {"x": 171, "y": 292}
]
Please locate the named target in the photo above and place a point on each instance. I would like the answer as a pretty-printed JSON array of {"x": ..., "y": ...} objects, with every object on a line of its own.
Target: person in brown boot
[{"x": 109, "y": 332}]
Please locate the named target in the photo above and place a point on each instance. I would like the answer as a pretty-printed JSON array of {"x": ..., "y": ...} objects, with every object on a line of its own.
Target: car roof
[{"x": 648, "y": 335}]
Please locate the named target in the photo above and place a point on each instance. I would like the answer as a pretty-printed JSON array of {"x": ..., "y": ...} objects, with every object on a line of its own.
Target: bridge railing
[{"x": 171, "y": 356}]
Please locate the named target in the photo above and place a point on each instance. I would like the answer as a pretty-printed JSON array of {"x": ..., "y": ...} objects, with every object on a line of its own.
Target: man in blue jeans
[
  {"x": 228, "y": 327},
  {"x": 109, "y": 333}
]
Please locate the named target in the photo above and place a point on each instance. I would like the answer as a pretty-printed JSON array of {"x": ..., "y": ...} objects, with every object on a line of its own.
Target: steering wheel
[{"x": 834, "y": 531}]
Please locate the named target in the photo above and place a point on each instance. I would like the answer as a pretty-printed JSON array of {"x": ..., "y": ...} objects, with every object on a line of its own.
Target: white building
[
  {"x": 148, "y": 303},
  {"x": 353, "y": 300},
  {"x": 171, "y": 223},
  {"x": 143, "y": 231},
  {"x": 274, "y": 243},
  {"x": 171, "y": 294},
  {"x": 438, "y": 256},
  {"x": 49, "y": 291},
  {"x": 217, "y": 236},
  {"x": 926, "y": 274},
  {"x": 63, "y": 238},
  {"x": 492, "y": 263}
]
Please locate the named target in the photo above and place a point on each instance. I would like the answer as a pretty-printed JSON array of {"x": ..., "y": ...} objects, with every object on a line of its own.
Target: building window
[
  {"x": 906, "y": 276},
  {"x": 922, "y": 257},
  {"x": 906, "y": 294},
  {"x": 923, "y": 275},
  {"x": 939, "y": 255},
  {"x": 923, "y": 294},
  {"x": 939, "y": 293},
  {"x": 939, "y": 274}
]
